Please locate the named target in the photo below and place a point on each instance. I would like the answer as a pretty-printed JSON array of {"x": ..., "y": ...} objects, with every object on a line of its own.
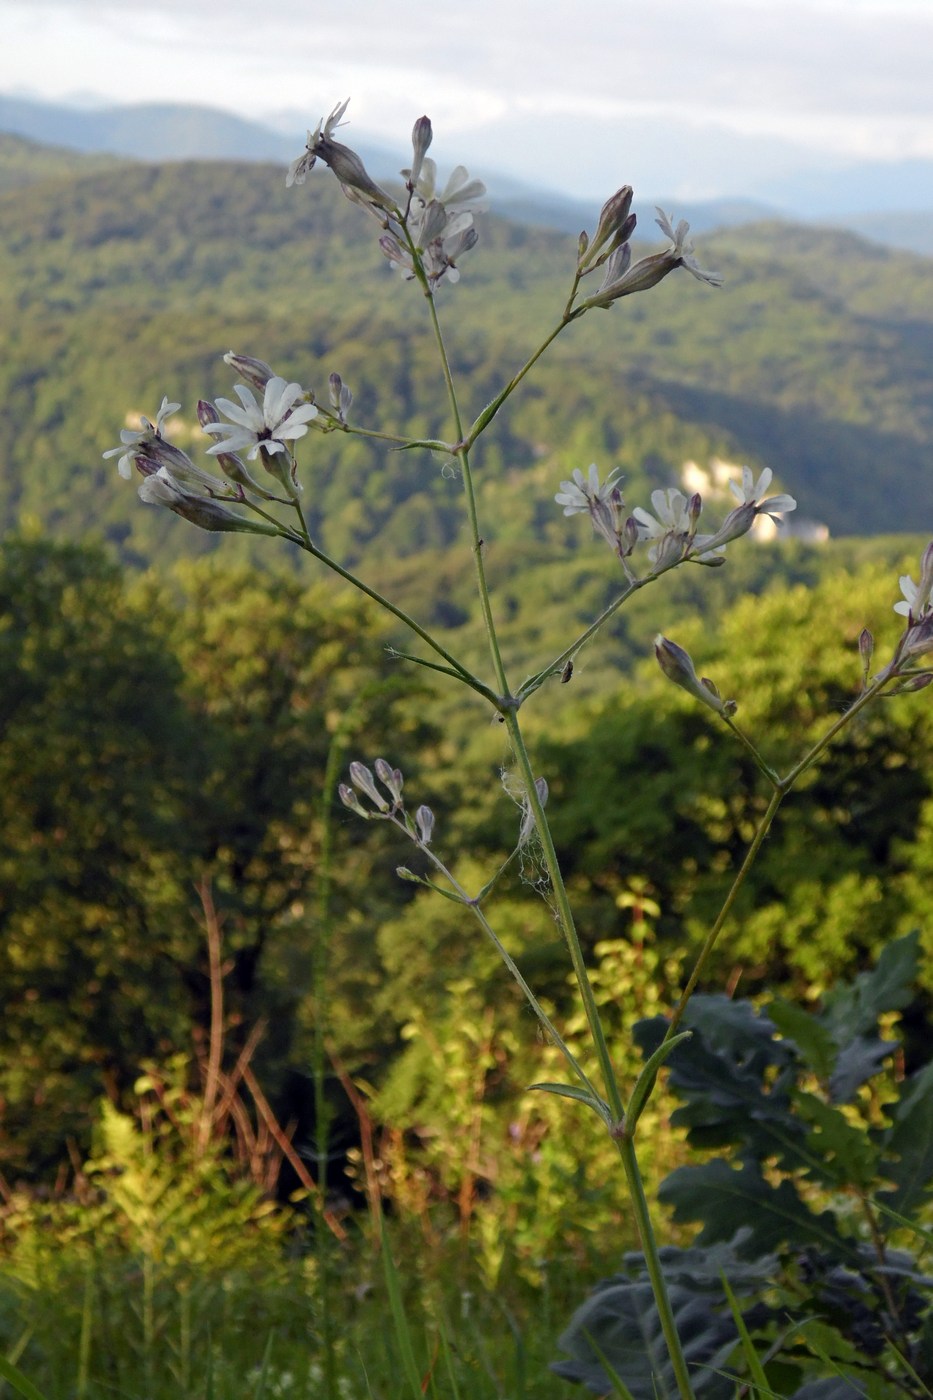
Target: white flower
[
  {"x": 299, "y": 168},
  {"x": 268, "y": 427},
  {"x": 622, "y": 277},
  {"x": 582, "y": 492},
  {"x": 918, "y": 598},
  {"x": 683, "y": 249},
  {"x": 751, "y": 493},
  {"x": 136, "y": 443},
  {"x": 673, "y": 512},
  {"x": 439, "y": 225}
]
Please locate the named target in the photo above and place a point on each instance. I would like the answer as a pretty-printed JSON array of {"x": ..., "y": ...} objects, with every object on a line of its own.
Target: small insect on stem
[{"x": 566, "y": 673}]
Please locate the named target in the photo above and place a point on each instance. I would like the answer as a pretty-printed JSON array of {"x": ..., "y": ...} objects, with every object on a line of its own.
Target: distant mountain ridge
[{"x": 164, "y": 131}]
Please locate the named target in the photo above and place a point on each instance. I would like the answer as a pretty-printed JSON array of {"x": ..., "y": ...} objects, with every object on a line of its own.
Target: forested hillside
[{"x": 120, "y": 286}]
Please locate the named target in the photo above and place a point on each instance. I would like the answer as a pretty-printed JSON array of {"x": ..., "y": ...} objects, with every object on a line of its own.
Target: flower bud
[
  {"x": 424, "y": 819},
  {"x": 159, "y": 489},
  {"x": 615, "y": 227},
  {"x": 677, "y": 666},
  {"x": 340, "y": 396},
  {"x": 866, "y": 646},
  {"x": 255, "y": 372},
  {"x": 362, "y": 779},
  {"x": 349, "y": 799},
  {"x": 391, "y": 778},
  {"x": 421, "y": 138}
]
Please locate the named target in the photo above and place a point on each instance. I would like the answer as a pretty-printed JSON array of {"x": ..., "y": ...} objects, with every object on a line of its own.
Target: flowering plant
[{"x": 425, "y": 230}]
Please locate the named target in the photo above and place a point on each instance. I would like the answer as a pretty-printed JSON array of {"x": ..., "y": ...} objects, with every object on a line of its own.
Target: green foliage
[
  {"x": 825, "y": 1143},
  {"x": 109, "y": 274},
  {"x": 468, "y": 1147},
  {"x": 152, "y": 737}
]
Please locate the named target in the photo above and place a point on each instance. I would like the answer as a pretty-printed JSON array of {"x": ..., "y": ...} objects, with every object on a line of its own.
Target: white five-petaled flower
[
  {"x": 299, "y": 168},
  {"x": 439, "y": 224},
  {"x": 918, "y": 597},
  {"x": 582, "y": 492},
  {"x": 133, "y": 443},
  {"x": 683, "y": 248},
  {"x": 751, "y": 492},
  {"x": 672, "y": 516},
  {"x": 269, "y": 426}
]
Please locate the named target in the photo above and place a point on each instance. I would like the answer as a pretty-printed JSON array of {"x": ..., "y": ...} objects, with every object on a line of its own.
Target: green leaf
[
  {"x": 18, "y": 1381},
  {"x": 723, "y": 1197},
  {"x": 846, "y": 1155},
  {"x": 619, "y": 1323},
  {"x": 854, "y": 1009},
  {"x": 721, "y": 1077},
  {"x": 570, "y": 1091},
  {"x": 749, "y": 1350},
  {"x": 817, "y": 1047},
  {"x": 908, "y": 1145},
  {"x": 645, "y": 1081},
  {"x": 858, "y": 1062}
]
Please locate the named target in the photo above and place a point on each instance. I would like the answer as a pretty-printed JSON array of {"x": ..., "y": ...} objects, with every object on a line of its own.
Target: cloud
[{"x": 845, "y": 77}]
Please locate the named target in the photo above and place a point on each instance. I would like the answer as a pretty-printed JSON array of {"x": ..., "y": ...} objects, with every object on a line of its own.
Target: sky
[{"x": 698, "y": 98}]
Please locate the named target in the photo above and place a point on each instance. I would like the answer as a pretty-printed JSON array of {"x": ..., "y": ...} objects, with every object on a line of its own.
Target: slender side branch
[
  {"x": 491, "y": 409},
  {"x": 463, "y": 673},
  {"x": 546, "y": 1023}
]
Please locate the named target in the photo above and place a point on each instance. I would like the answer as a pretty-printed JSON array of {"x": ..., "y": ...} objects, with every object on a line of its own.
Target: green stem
[
  {"x": 467, "y": 474},
  {"x": 465, "y": 675},
  {"x": 508, "y": 708},
  {"x": 533, "y": 683},
  {"x": 653, "y": 1263},
  {"x": 546, "y": 1023},
  {"x": 491, "y": 409},
  {"x": 866, "y": 697},
  {"x": 782, "y": 786},
  {"x": 709, "y": 944},
  {"x": 565, "y": 917}
]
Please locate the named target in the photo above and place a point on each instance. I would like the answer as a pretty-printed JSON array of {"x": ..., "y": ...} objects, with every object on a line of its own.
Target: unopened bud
[
  {"x": 340, "y": 396},
  {"x": 424, "y": 819},
  {"x": 362, "y": 779},
  {"x": 391, "y": 778},
  {"x": 914, "y": 683},
  {"x": 158, "y": 489},
  {"x": 421, "y": 138},
  {"x": 866, "y": 646},
  {"x": 349, "y": 799},
  {"x": 677, "y": 666},
  {"x": 615, "y": 227},
  {"x": 255, "y": 372}
]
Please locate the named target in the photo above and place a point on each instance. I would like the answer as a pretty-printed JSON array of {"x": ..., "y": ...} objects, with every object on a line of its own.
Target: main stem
[{"x": 508, "y": 710}]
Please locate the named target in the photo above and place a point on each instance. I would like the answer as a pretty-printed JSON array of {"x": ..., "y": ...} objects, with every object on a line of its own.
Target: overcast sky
[{"x": 675, "y": 94}]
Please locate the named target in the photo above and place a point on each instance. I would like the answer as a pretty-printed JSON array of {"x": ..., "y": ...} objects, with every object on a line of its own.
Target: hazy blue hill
[
  {"x": 186, "y": 131},
  {"x": 116, "y": 287},
  {"x": 25, "y": 162}
]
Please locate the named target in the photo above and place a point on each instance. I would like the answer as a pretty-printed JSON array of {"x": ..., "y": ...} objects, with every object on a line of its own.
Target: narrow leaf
[
  {"x": 749, "y": 1350},
  {"x": 18, "y": 1381},
  {"x": 645, "y": 1081},
  {"x": 570, "y": 1091}
]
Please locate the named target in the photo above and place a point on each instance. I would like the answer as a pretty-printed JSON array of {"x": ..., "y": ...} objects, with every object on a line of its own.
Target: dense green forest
[
  {"x": 216, "y": 990},
  {"x": 121, "y": 285}
]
